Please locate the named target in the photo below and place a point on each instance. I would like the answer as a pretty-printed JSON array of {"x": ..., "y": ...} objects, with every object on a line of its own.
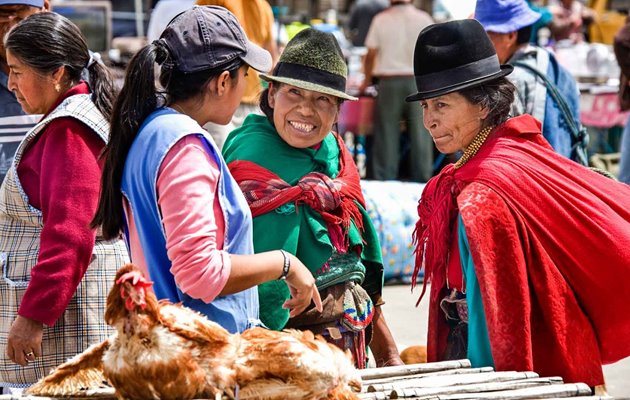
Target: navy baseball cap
[
  {"x": 210, "y": 37},
  {"x": 32, "y": 3}
]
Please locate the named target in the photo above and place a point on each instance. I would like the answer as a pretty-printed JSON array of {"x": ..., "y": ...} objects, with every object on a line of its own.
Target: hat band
[
  {"x": 311, "y": 75},
  {"x": 454, "y": 76}
]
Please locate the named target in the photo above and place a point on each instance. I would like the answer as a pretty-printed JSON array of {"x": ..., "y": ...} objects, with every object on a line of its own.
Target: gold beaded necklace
[{"x": 474, "y": 146}]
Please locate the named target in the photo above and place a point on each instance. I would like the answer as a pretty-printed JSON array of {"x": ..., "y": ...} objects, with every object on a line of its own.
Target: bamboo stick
[
  {"x": 400, "y": 370},
  {"x": 582, "y": 398},
  {"x": 452, "y": 380},
  {"x": 538, "y": 392},
  {"x": 426, "y": 374},
  {"x": 463, "y": 390}
]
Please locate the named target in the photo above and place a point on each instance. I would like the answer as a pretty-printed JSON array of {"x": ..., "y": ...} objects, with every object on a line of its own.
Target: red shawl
[
  {"x": 549, "y": 240},
  {"x": 334, "y": 199}
]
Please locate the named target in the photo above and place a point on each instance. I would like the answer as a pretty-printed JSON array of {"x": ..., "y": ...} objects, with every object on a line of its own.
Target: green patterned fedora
[{"x": 313, "y": 61}]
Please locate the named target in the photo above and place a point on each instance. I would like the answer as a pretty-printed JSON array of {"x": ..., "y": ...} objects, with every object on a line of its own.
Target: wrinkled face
[
  {"x": 34, "y": 91},
  {"x": 302, "y": 117},
  {"x": 452, "y": 121},
  {"x": 10, "y": 15}
]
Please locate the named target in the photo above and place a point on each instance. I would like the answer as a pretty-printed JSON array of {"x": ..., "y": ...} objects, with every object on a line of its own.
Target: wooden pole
[{"x": 400, "y": 370}]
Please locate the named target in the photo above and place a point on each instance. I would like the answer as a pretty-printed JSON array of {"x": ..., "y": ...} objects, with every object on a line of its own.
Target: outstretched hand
[{"x": 302, "y": 287}]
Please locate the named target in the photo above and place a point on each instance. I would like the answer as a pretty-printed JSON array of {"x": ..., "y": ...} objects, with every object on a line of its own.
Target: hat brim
[
  {"x": 526, "y": 17},
  {"x": 31, "y": 3},
  {"x": 257, "y": 58},
  {"x": 505, "y": 70},
  {"x": 308, "y": 86}
]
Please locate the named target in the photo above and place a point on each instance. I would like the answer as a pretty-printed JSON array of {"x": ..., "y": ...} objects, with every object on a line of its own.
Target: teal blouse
[{"x": 479, "y": 352}]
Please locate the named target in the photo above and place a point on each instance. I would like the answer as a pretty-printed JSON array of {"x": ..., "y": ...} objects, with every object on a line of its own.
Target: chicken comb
[
  {"x": 136, "y": 278},
  {"x": 139, "y": 283}
]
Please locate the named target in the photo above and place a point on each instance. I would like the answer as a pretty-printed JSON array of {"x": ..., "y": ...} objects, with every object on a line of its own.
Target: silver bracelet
[{"x": 286, "y": 266}]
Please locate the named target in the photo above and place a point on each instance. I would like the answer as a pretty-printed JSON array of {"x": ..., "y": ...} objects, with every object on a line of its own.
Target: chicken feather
[
  {"x": 167, "y": 351},
  {"x": 75, "y": 375}
]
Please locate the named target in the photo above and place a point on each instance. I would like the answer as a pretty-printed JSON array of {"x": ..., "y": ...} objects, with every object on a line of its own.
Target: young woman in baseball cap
[{"x": 167, "y": 187}]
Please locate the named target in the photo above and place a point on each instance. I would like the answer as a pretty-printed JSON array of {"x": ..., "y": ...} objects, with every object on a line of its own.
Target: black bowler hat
[{"x": 452, "y": 56}]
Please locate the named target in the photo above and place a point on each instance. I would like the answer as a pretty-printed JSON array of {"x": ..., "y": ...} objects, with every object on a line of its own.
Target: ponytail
[
  {"x": 137, "y": 99},
  {"x": 102, "y": 86}
]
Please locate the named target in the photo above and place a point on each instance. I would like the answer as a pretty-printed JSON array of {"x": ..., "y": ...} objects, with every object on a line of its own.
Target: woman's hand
[
  {"x": 24, "y": 344},
  {"x": 383, "y": 345},
  {"x": 302, "y": 287}
]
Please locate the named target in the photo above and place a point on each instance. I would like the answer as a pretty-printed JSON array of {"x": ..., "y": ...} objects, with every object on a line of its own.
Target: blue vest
[{"x": 158, "y": 134}]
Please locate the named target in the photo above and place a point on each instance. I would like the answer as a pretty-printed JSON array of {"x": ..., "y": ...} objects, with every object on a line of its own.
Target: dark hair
[
  {"x": 497, "y": 96},
  {"x": 263, "y": 100},
  {"x": 524, "y": 34},
  {"x": 46, "y": 41},
  {"x": 138, "y": 98},
  {"x": 263, "y": 103}
]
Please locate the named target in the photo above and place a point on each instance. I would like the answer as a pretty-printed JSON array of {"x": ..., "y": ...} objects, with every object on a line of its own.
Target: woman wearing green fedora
[{"x": 304, "y": 192}]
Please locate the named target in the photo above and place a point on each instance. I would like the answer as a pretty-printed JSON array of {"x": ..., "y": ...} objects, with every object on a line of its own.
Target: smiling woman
[
  {"x": 305, "y": 195},
  {"x": 302, "y": 117}
]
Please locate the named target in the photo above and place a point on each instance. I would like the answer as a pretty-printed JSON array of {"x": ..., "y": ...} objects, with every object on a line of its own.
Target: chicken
[
  {"x": 414, "y": 354},
  {"x": 166, "y": 351}
]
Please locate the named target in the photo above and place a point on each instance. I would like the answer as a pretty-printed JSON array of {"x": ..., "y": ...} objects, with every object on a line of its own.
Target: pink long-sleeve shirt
[{"x": 192, "y": 219}]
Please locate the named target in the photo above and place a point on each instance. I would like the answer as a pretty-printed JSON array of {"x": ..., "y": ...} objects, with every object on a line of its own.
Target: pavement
[{"x": 409, "y": 327}]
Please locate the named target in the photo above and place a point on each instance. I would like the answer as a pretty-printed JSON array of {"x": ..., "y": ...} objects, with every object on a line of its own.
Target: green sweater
[{"x": 300, "y": 231}]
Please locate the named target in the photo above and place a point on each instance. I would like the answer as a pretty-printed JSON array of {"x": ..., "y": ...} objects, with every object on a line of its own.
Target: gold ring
[{"x": 29, "y": 354}]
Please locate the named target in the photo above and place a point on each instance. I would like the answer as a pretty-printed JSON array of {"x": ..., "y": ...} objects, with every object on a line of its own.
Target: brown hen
[{"x": 166, "y": 351}]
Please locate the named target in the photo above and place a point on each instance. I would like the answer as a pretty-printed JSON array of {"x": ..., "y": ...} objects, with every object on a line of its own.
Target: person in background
[
  {"x": 57, "y": 270},
  {"x": 621, "y": 46},
  {"x": 256, "y": 18},
  {"x": 509, "y": 24},
  {"x": 296, "y": 26},
  {"x": 162, "y": 13},
  {"x": 537, "y": 37},
  {"x": 513, "y": 286},
  {"x": 389, "y": 60},
  {"x": 361, "y": 15},
  {"x": 570, "y": 18},
  {"x": 166, "y": 186},
  {"x": 14, "y": 123},
  {"x": 307, "y": 200}
]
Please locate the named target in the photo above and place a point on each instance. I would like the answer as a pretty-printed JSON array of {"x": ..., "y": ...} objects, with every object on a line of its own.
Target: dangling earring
[{"x": 57, "y": 87}]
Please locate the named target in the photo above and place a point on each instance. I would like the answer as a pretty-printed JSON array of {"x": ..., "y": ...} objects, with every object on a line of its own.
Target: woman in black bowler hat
[{"x": 526, "y": 251}]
